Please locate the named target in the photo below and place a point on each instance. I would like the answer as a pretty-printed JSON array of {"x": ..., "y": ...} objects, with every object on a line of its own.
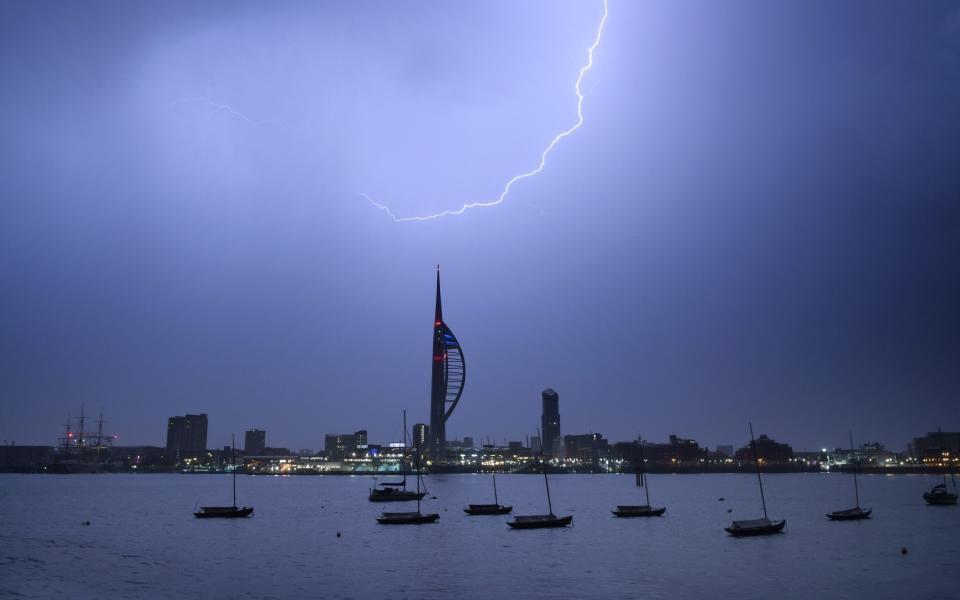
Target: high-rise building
[
  {"x": 176, "y": 426},
  {"x": 550, "y": 420},
  {"x": 255, "y": 440},
  {"x": 360, "y": 439},
  {"x": 421, "y": 435},
  {"x": 448, "y": 377},
  {"x": 340, "y": 445},
  {"x": 186, "y": 436}
]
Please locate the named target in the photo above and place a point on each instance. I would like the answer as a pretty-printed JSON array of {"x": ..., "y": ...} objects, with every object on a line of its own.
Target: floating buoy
[
  {"x": 338, "y": 534},
  {"x": 729, "y": 510},
  {"x": 85, "y": 523},
  {"x": 903, "y": 550},
  {"x": 720, "y": 499}
]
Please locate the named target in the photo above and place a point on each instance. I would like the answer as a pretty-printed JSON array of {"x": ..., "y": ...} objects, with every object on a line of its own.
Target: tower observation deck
[{"x": 449, "y": 375}]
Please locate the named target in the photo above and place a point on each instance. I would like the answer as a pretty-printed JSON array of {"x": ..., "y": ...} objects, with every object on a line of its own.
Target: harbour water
[{"x": 143, "y": 541}]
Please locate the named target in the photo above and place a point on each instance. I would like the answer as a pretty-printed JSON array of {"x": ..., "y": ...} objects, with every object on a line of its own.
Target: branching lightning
[
  {"x": 543, "y": 156},
  {"x": 218, "y": 107}
]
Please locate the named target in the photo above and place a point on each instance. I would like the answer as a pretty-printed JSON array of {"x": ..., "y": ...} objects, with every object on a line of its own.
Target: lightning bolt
[
  {"x": 543, "y": 156},
  {"x": 218, "y": 107}
]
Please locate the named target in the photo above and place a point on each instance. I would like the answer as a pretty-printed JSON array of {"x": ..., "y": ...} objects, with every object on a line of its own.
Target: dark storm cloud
[{"x": 759, "y": 219}]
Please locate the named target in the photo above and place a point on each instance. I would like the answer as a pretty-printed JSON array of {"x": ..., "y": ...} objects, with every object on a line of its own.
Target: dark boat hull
[
  {"x": 944, "y": 499},
  {"x": 391, "y": 496},
  {"x": 223, "y": 512},
  {"x": 852, "y": 514},
  {"x": 407, "y": 518},
  {"x": 540, "y": 521},
  {"x": 487, "y": 509},
  {"x": 639, "y": 511},
  {"x": 768, "y": 529}
]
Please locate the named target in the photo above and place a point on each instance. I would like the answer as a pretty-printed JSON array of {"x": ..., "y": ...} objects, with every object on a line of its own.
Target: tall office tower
[
  {"x": 176, "y": 426},
  {"x": 255, "y": 440},
  {"x": 449, "y": 375},
  {"x": 550, "y": 420},
  {"x": 186, "y": 436},
  {"x": 196, "y": 434},
  {"x": 421, "y": 435}
]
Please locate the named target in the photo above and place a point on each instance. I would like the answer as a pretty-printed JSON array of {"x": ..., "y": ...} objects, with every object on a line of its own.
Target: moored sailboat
[
  {"x": 396, "y": 491},
  {"x": 409, "y": 518},
  {"x": 645, "y": 510},
  {"x": 752, "y": 527},
  {"x": 541, "y": 521},
  {"x": 226, "y": 512},
  {"x": 489, "y": 509},
  {"x": 855, "y": 513},
  {"x": 939, "y": 495}
]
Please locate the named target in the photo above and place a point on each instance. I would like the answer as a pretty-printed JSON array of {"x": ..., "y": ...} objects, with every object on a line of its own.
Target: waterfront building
[
  {"x": 421, "y": 435},
  {"x": 186, "y": 436},
  {"x": 770, "y": 452},
  {"x": 15, "y": 458},
  {"x": 550, "y": 421},
  {"x": 676, "y": 452},
  {"x": 449, "y": 373},
  {"x": 937, "y": 448},
  {"x": 254, "y": 441},
  {"x": 589, "y": 448},
  {"x": 340, "y": 445},
  {"x": 535, "y": 444}
]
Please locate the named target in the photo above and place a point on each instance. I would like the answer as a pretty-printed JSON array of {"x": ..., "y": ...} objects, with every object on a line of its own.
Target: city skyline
[{"x": 756, "y": 221}]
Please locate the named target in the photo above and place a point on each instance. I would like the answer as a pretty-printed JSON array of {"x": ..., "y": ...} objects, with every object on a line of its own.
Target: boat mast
[
  {"x": 417, "y": 446},
  {"x": 233, "y": 460},
  {"x": 942, "y": 447},
  {"x": 543, "y": 465},
  {"x": 756, "y": 453},
  {"x": 853, "y": 457},
  {"x": 82, "y": 443},
  {"x": 643, "y": 472},
  {"x": 405, "y": 456},
  {"x": 495, "y": 499}
]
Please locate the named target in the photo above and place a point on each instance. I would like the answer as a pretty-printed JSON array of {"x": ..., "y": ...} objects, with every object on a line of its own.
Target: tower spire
[{"x": 438, "y": 315}]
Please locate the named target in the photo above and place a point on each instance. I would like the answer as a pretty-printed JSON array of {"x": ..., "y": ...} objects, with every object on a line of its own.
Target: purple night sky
[{"x": 759, "y": 218}]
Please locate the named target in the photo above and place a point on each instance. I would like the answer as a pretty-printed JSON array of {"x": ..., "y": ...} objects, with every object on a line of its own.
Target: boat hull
[
  {"x": 639, "y": 511},
  {"x": 380, "y": 496},
  {"x": 487, "y": 509},
  {"x": 944, "y": 499},
  {"x": 769, "y": 528},
  {"x": 851, "y": 514},
  {"x": 223, "y": 512},
  {"x": 407, "y": 518},
  {"x": 540, "y": 521}
]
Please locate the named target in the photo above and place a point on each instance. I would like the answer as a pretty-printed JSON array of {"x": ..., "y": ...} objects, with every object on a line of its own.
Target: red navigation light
[
  {"x": 70, "y": 435},
  {"x": 438, "y": 323}
]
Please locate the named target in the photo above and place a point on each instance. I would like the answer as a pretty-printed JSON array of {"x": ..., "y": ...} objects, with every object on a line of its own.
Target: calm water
[{"x": 143, "y": 541}]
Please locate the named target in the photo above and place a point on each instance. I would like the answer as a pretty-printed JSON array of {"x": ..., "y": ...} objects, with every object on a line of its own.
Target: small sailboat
[
  {"x": 938, "y": 494},
  {"x": 855, "y": 513},
  {"x": 764, "y": 526},
  {"x": 645, "y": 510},
  {"x": 409, "y": 518},
  {"x": 226, "y": 512},
  {"x": 489, "y": 509},
  {"x": 541, "y": 521},
  {"x": 396, "y": 491}
]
